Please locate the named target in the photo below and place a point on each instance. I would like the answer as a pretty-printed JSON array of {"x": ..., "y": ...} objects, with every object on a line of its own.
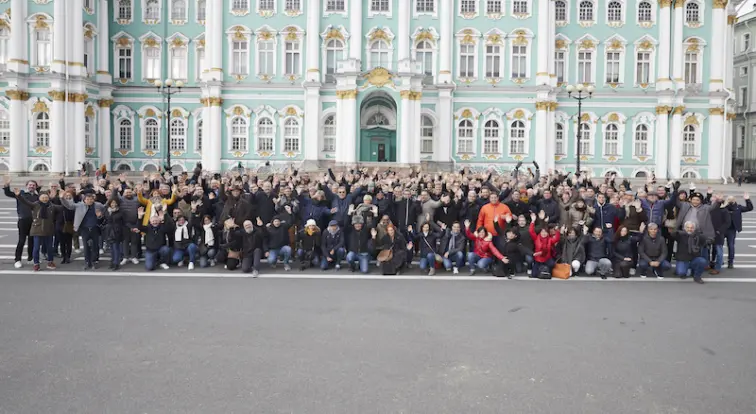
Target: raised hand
[
  {"x": 746, "y": 196},
  {"x": 467, "y": 223},
  {"x": 542, "y": 215},
  {"x": 496, "y": 219},
  {"x": 508, "y": 218},
  {"x": 532, "y": 217},
  {"x": 642, "y": 227},
  {"x": 409, "y": 228},
  {"x": 259, "y": 222},
  {"x": 373, "y": 232}
]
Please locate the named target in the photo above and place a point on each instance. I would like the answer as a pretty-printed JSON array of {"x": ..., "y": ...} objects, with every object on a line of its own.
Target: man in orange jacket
[{"x": 488, "y": 212}]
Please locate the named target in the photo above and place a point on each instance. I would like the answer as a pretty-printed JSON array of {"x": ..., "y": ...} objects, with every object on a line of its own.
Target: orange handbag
[{"x": 561, "y": 271}]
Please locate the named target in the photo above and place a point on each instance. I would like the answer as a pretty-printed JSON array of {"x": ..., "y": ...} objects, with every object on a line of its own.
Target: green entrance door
[{"x": 378, "y": 145}]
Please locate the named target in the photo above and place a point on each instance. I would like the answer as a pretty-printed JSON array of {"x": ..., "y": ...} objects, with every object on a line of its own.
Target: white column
[
  {"x": 76, "y": 38},
  {"x": 417, "y": 114},
  {"x": 105, "y": 135},
  {"x": 677, "y": 48},
  {"x": 57, "y": 132},
  {"x": 355, "y": 28},
  {"x": 18, "y": 130},
  {"x": 675, "y": 143},
  {"x": 103, "y": 45},
  {"x": 716, "y": 143},
  {"x": 18, "y": 59},
  {"x": 542, "y": 125},
  {"x": 727, "y": 168},
  {"x": 552, "y": 48},
  {"x": 214, "y": 33},
  {"x": 404, "y": 10},
  {"x": 404, "y": 146},
  {"x": 80, "y": 151},
  {"x": 445, "y": 10},
  {"x": 346, "y": 131},
  {"x": 718, "y": 59},
  {"x": 312, "y": 123},
  {"x": 214, "y": 152},
  {"x": 313, "y": 41},
  {"x": 551, "y": 140},
  {"x": 730, "y": 51},
  {"x": 443, "y": 143},
  {"x": 665, "y": 36},
  {"x": 542, "y": 64},
  {"x": 62, "y": 22},
  {"x": 661, "y": 142}
]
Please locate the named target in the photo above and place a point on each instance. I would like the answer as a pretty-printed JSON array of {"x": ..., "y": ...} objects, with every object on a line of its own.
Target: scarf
[
  {"x": 209, "y": 235},
  {"x": 309, "y": 231},
  {"x": 43, "y": 210},
  {"x": 452, "y": 241},
  {"x": 182, "y": 233}
]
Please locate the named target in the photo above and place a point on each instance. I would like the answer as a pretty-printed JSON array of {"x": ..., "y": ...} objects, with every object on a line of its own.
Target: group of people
[{"x": 501, "y": 224}]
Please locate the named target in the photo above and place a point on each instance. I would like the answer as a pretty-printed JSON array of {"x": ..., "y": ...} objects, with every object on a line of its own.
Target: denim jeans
[
  {"x": 718, "y": 256},
  {"x": 284, "y": 252},
  {"x": 428, "y": 261},
  {"x": 604, "y": 267},
  {"x": 643, "y": 267},
  {"x": 474, "y": 260},
  {"x": 153, "y": 258},
  {"x": 730, "y": 236},
  {"x": 538, "y": 266},
  {"x": 39, "y": 242},
  {"x": 457, "y": 260},
  {"x": 696, "y": 266},
  {"x": 191, "y": 251},
  {"x": 90, "y": 238},
  {"x": 362, "y": 258},
  {"x": 336, "y": 258},
  {"x": 115, "y": 251},
  {"x": 206, "y": 258}
]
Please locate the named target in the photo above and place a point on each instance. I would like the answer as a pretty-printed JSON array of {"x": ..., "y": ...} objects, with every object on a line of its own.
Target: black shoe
[
  {"x": 603, "y": 277},
  {"x": 699, "y": 280},
  {"x": 352, "y": 269},
  {"x": 730, "y": 266},
  {"x": 111, "y": 266},
  {"x": 510, "y": 276},
  {"x": 302, "y": 268},
  {"x": 116, "y": 268},
  {"x": 87, "y": 267},
  {"x": 683, "y": 277}
]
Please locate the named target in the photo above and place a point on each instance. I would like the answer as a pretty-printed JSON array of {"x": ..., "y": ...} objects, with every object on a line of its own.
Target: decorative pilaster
[
  {"x": 445, "y": 128},
  {"x": 718, "y": 59},
  {"x": 105, "y": 137},
  {"x": 404, "y": 146},
  {"x": 730, "y": 36},
  {"x": 445, "y": 10},
  {"x": 76, "y": 39},
  {"x": 60, "y": 48},
  {"x": 57, "y": 132},
  {"x": 550, "y": 137},
  {"x": 18, "y": 130},
  {"x": 664, "y": 50},
  {"x": 675, "y": 143},
  {"x": 346, "y": 133},
  {"x": 212, "y": 116},
  {"x": 103, "y": 46},
  {"x": 716, "y": 143},
  {"x": 355, "y": 27},
  {"x": 214, "y": 33},
  {"x": 542, "y": 130},
  {"x": 79, "y": 144},
  {"x": 404, "y": 11},
  {"x": 312, "y": 121},
  {"x": 542, "y": 63},
  {"x": 18, "y": 58},
  {"x": 661, "y": 144},
  {"x": 313, "y": 42},
  {"x": 417, "y": 114}
]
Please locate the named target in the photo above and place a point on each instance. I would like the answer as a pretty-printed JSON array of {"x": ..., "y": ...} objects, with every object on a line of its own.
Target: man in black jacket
[
  {"x": 689, "y": 258},
  {"x": 254, "y": 246},
  {"x": 278, "y": 242},
  {"x": 652, "y": 253},
  {"x": 24, "y": 218},
  {"x": 452, "y": 247},
  {"x": 332, "y": 246},
  {"x": 360, "y": 245},
  {"x": 447, "y": 212},
  {"x": 721, "y": 220},
  {"x": 155, "y": 241}
]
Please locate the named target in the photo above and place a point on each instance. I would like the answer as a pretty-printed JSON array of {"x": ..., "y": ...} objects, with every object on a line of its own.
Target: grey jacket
[
  {"x": 80, "y": 209},
  {"x": 705, "y": 225},
  {"x": 130, "y": 210}
]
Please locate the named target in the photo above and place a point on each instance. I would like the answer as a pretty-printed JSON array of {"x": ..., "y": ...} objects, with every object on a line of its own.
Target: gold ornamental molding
[
  {"x": 665, "y": 3},
  {"x": 415, "y": 96},
  {"x": 691, "y": 120},
  {"x": 58, "y": 96},
  {"x": 215, "y": 101},
  {"x": 77, "y": 97},
  {"x": 17, "y": 95},
  {"x": 663, "y": 110},
  {"x": 560, "y": 44},
  {"x": 542, "y": 106},
  {"x": 553, "y": 105},
  {"x": 347, "y": 94},
  {"x": 334, "y": 34},
  {"x": 587, "y": 44},
  {"x": 379, "y": 77},
  {"x": 404, "y": 94},
  {"x": 204, "y": 101},
  {"x": 679, "y": 3},
  {"x": 105, "y": 103},
  {"x": 731, "y": 116},
  {"x": 732, "y": 19},
  {"x": 678, "y": 110},
  {"x": 716, "y": 111},
  {"x": 719, "y": 4},
  {"x": 40, "y": 106}
]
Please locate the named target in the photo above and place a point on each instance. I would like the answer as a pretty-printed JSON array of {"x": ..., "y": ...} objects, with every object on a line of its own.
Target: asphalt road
[{"x": 88, "y": 344}]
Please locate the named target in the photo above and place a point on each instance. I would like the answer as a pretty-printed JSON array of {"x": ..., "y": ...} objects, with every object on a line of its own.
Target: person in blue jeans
[
  {"x": 652, "y": 253},
  {"x": 452, "y": 247},
  {"x": 721, "y": 220},
  {"x": 277, "y": 234},
  {"x": 155, "y": 241},
  {"x": 183, "y": 243},
  {"x": 360, "y": 245},
  {"x": 332, "y": 247},
  {"x": 736, "y": 225},
  {"x": 427, "y": 239},
  {"x": 690, "y": 252}
]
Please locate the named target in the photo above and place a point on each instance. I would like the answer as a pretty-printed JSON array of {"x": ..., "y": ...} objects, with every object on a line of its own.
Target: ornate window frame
[
  {"x": 429, "y": 35},
  {"x": 91, "y": 115},
  {"x": 431, "y": 115},
  {"x": 293, "y": 34},
  {"x": 615, "y": 44},
  {"x": 291, "y": 113},
  {"x": 182, "y": 21},
  {"x": 623, "y": 13},
  {"x": 433, "y": 14},
  {"x": 328, "y": 113},
  {"x": 117, "y": 11},
  {"x": 468, "y": 14},
  {"x": 496, "y": 15},
  {"x": 472, "y": 115},
  {"x": 696, "y": 120},
  {"x": 468, "y": 36},
  {"x": 561, "y": 118},
  {"x": 701, "y": 14},
  {"x": 594, "y": 14},
  {"x": 179, "y": 113},
  {"x": 376, "y": 34},
  {"x": 40, "y": 22},
  {"x": 620, "y": 121},
  {"x": 266, "y": 35},
  {"x": 344, "y": 12},
  {"x": 520, "y": 16},
  {"x": 292, "y": 12},
  {"x": 645, "y": 44},
  {"x": 562, "y": 44},
  {"x": 238, "y": 33},
  {"x": 146, "y": 113},
  {"x": 199, "y": 44},
  {"x": 330, "y": 33},
  {"x": 37, "y": 107},
  {"x": 151, "y": 22},
  {"x": 654, "y": 7},
  {"x": 493, "y": 115},
  {"x": 590, "y": 119},
  {"x": 176, "y": 41},
  {"x": 526, "y": 117},
  {"x": 150, "y": 40},
  {"x": 197, "y": 14},
  {"x": 123, "y": 113},
  {"x": 265, "y": 112},
  {"x": 648, "y": 120},
  {"x": 694, "y": 44},
  {"x": 495, "y": 37},
  {"x": 123, "y": 40},
  {"x": 239, "y": 11},
  {"x": 198, "y": 130},
  {"x": 519, "y": 38},
  {"x": 586, "y": 43},
  {"x": 242, "y": 112},
  {"x": 374, "y": 13},
  {"x": 90, "y": 36},
  {"x": 266, "y": 13},
  {"x": 567, "y": 8}
]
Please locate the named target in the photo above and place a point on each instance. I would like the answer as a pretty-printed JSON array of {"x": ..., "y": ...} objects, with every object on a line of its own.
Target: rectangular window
[
  {"x": 520, "y": 7},
  {"x": 425, "y": 6},
  {"x": 240, "y": 59},
  {"x": 743, "y": 96},
  {"x": 202, "y": 11},
  {"x": 643, "y": 68},
  {"x": 691, "y": 68},
  {"x": 467, "y": 61},
  {"x": 493, "y": 61},
  {"x": 519, "y": 62},
  {"x": 201, "y": 65},
  {"x": 267, "y": 5},
  {"x": 493, "y": 7},
  {"x": 44, "y": 47},
  {"x": 178, "y": 63},
  {"x": 293, "y": 5},
  {"x": 584, "y": 67},
  {"x": 292, "y": 58},
  {"x": 124, "y": 63},
  {"x": 467, "y": 6},
  {"x": 559, "y": 140},
  {"x": 240, "y": 5},
  {"x": 265, "y": 58},
  {"x": 746, "y": 44},
  {"x": 559, "y": 65},
  {"x": 124, "y": 10},
  {"x": 379, "y": 5},
  {"x": 152, "y": 63},
  {"x": 612, "y": 67},
  {"x": 335, "y": 5},
  {"x": 743, "y": 71},
  {"x": 741, "y": 137}
]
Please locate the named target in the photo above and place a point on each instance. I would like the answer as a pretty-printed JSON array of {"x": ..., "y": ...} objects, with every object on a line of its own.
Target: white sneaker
[
  {"x": 191, "y": 266},
  {"x": 102, "y": 251},
  {"x": 632, "y": 272},
  {"x": 287, "y": 267},
  {"x": 659, "y": 276},
  {"x": 338, "y": 267},
  {"x": 455, "y": 270},
  {"x": 18, "y": 265},
  {"x": 124, "y": 261},
  {"x": 77, "y": 251},
  {"x": 212, "y": 263},
  {"x": 530, "y": 271},
  {"x": 164, "y": 266},
  {"x": 135, "y": 260},
  {"x": 643, "y": 276},
  {"x": 255, "y": 274}
]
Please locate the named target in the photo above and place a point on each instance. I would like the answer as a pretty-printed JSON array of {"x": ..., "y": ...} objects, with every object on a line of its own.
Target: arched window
[
  {"x": 239, "y": 134},
  {"x": 4, "y": 39},
  {"x": 690, "y": 175},
  {"x": 265, "y": 135},
  {"x": 329, "y": 134},
  {"x": 586, "y": 11},
  {"x": 614, "y": 12},
  {"x": 586, "y": 140},
  {"x": 689, "y": 141},
  {"x": 491, "y": 137},
  {"x": 644, "y": 12},
  {"x": 425, "y": 57},
  {"x": 641, "y": 141},
  {"x": 178, "y": 135},
  {"x": 517, "y": 137},
  {"x": 202, "y": 10},
  {"x": 641, "y": 174},
  {"x": 334, "y": 53},
  {"x": 41, "y": 168},
  {"x": 426, "y": 135},
  {"x": 151, "y": 134},
  {"x": 42, "y": 128},
  {"x": 291, "y": 135},
  {"x": 691, "y": 12},
  {"x": 125, "y": 134},
  {"x": 559, "y": 140},
  {"x": 178, "y": 10},
  {"x": 124, "y": 10},
  {"x": 200, "y": 133},
  {"x": 43, "y": 46},
  {"x": 152, "y": 11},
  {"x": 560, "y": 11},
  {"x": 88, "y": 142},
  {"x": 380, "y": 54},
  {"x": 123, "y": 167},
  {"x": 465, "y": 137},
  {"x": 4, "y": 128},
  {"x": 611, "y": 140}
]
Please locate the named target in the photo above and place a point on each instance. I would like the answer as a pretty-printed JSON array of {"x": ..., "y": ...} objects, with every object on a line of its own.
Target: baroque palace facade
[{"x": 469, "y": 82}]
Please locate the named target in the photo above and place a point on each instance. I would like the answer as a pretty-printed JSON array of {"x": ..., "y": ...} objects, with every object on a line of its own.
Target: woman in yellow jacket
[{"x": 155, "y": 203}]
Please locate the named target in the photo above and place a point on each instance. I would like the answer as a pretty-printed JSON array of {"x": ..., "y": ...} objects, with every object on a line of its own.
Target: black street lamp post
[
  {"x": 168, "y": 89},
  {"x": 581, "y": 92}
]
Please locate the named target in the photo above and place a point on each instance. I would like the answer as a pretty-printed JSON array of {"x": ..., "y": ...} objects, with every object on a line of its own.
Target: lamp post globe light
[
  {"x": 168, "y": 88},
  {"x": 579, "y": 92}
]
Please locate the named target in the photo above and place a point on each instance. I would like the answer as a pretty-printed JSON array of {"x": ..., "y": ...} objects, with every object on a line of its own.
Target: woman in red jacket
[
  {"x": 545, "y": 243},
  {"x": 484, "y": 251}
]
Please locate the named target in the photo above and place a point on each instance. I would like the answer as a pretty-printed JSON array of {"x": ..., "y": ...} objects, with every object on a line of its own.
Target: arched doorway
[{"x": 378, "y": 128}]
